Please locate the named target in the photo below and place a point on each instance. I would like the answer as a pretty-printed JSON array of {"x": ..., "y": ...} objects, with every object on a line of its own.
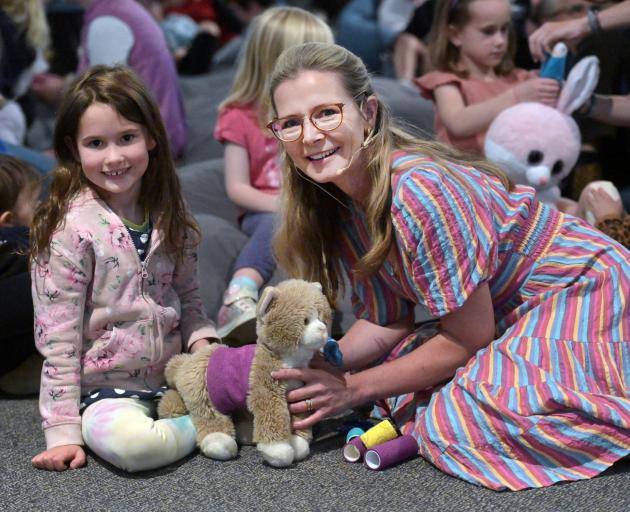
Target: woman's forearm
[
  {"x": 365, "y": 342},
  {"x": 613, "y": 110},
  {"x": 428, "y": 365}
]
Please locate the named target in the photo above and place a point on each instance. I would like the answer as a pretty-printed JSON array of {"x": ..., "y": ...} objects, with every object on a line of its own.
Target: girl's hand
[
  {"x": 543, "y": 90},
  {"x": 200, "y": 343},
  {"x": 60, "y": 458},
  {"x": 597, "y": 201},
  {"x": 326, "y": 391}
]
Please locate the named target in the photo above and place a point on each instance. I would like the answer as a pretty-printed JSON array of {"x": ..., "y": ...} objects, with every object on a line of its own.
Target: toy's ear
[
  {"x": 264, "y": 303},
  {"x": 580, "y": 85}
]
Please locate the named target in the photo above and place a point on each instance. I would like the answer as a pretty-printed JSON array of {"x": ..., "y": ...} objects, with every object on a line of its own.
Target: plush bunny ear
[
  {"x": 268, "y": 295},
  {"x": 580, "y": 85}
]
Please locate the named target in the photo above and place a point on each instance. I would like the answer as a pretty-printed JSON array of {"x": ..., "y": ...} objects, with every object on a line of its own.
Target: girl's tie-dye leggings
[{"x": 125, "y": 433}]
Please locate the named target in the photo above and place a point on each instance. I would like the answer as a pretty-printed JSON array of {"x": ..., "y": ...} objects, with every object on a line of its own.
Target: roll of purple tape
[
  {"x": 384, "y": 455},
  {"x": 353, "y": 451}
]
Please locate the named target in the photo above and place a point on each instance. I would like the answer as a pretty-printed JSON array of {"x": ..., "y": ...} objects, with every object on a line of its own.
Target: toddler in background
[
  {"x": 252, "y": 169},
  {"x": 19, "y": 194},
  {"x": 472, "y": 48},
  {"x": 115, "y": 288}
]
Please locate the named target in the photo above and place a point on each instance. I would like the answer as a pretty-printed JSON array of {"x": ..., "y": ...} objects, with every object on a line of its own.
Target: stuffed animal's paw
[
  {"x": 301, "y": 447},
  {"x": 279, "y": 454},
  {"x": 219, "y": 445},
  {"x": 171, "y": 405}
]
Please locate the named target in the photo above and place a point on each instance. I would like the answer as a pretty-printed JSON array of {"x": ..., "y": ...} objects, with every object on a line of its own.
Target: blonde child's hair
[
  {"x": 160, "y": 192},
  {"x": 443, "y": 54},
  {"x": 31, "y": 15},
  {"x": 15, "y": 176},
  {"x": 272, "y": 32},
  {"x": 307, "y": 239}
]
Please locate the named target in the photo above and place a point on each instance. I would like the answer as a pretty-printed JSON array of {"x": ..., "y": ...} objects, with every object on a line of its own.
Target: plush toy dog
[
  {"x": 538, "y": 145},
  {"x": 216, "y": 381}
]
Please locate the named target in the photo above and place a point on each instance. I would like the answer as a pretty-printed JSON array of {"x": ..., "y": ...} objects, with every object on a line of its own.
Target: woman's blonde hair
[
  {"x": 160, "y": 192},
  {"x": 30, "y": 15},
  {"x": 443, "y": 54},
  {"x": 272, "y": 32},
  {"x": 307, "y": 239}
]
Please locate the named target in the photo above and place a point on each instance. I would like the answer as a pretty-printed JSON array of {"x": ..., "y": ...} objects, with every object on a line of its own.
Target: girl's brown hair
[
  {"x": 307, "y": 239},
  {"x": 443, "y": 54},
  {"x": 160, "y": 193}
]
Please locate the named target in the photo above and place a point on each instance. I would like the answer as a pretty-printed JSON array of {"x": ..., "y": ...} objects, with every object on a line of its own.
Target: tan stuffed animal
[{"x": 215, "y": 382}]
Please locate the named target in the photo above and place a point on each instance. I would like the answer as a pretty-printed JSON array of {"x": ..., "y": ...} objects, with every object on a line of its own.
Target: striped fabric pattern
[{"x": 549, "y": 399}]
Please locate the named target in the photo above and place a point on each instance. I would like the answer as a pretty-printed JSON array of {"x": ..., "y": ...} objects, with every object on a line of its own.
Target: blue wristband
[{"x": 332, "y": 354}]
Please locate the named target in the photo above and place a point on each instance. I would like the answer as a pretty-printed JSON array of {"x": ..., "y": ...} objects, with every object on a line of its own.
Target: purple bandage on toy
[
  {"x": 391, "y": 452},
  {"x": 353, "y": 451},
  {"x": 228, "y": 377}
]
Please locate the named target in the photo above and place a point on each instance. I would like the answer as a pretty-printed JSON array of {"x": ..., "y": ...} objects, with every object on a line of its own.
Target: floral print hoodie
[{"x": 105, "y": 319}]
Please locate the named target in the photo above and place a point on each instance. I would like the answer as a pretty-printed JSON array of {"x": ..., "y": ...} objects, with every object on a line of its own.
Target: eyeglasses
[{"x": 325, "y": 118}]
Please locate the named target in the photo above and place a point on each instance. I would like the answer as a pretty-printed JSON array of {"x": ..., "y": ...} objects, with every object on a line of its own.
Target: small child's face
[
  {"x": 483, "y": 41},
  {"x": 26, "y": 205},
  {"x": 113, "y": 152}
]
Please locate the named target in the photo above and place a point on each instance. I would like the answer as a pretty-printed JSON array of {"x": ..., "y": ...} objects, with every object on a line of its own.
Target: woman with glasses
[{"x": 524, "y": 382}]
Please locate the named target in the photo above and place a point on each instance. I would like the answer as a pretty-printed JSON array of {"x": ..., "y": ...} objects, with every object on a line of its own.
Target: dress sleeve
[
  {"x": 232, "y": 126},
  {"x": 444, "y": 229},
  {"x": 429, "y": 82},
  {"x": 194, "y": 323},
  {"x": 59, "y": 288},
  {"x": 372, "y": 299}
]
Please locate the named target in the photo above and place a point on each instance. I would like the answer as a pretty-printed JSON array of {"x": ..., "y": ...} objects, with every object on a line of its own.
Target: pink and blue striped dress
[{"x": 549, "y": 399}]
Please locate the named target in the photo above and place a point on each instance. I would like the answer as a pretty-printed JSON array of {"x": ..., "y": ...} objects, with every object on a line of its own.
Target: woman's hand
[
  {"x": 326, "y": 391},
  {"x": 60, "y": 458},
  {"x": 545, "y": 37},
  {"x": 543, "y": 90}
]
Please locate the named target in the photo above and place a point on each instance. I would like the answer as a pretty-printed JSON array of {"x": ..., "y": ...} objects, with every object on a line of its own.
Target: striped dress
[{"x": 549, "y": 399}]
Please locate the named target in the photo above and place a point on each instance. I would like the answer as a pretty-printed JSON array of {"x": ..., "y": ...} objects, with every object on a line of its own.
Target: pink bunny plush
[{"x": 538, "y": 145}]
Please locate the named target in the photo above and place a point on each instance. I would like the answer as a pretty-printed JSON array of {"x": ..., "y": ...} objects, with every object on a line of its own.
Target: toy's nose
[{"x": 538, "y": 175}]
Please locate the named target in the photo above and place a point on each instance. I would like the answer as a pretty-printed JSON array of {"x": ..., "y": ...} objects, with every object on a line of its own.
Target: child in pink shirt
[{"x": 252, "y": 169}]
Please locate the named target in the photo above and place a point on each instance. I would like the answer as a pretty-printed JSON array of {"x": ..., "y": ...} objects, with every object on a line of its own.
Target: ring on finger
[{"x": 309, "y": 405}]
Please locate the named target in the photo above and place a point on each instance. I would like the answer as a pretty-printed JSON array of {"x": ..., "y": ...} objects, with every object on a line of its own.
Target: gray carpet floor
[{"x": 322, "y": 482}]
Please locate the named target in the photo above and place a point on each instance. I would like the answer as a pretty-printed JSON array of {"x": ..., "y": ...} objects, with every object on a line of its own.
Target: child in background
[
  {"x": 115, "y": 289},
  {"x": 472, "y": 48},
  {"x": 19, "y": 194},
  {"x": 252, "y": 170}
]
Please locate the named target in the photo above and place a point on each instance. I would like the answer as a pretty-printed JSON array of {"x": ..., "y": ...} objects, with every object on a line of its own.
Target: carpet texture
[{"x": 322, "y": 482}]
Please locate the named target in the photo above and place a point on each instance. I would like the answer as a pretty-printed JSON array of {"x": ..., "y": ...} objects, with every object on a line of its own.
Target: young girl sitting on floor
[
  {"x": 114, "y": 270},
  {"x": 252, "y": 169},
  {"x": 472, "y": 48}
]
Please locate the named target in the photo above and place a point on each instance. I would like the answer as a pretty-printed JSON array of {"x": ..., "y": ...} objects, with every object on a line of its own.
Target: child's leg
[
  {"x": 254, "y": 267},
  {"x": 123, "y": 432},
  {"x": 257, "y": 254}
]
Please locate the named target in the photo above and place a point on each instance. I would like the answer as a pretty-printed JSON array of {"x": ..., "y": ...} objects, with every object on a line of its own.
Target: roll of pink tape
[
  {"x": 353, "y": 451},
  {"x": 384, "y": 455}
]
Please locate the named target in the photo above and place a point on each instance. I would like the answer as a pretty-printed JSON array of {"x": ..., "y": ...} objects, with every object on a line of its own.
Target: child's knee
[{"x": 137, "y": 442}]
